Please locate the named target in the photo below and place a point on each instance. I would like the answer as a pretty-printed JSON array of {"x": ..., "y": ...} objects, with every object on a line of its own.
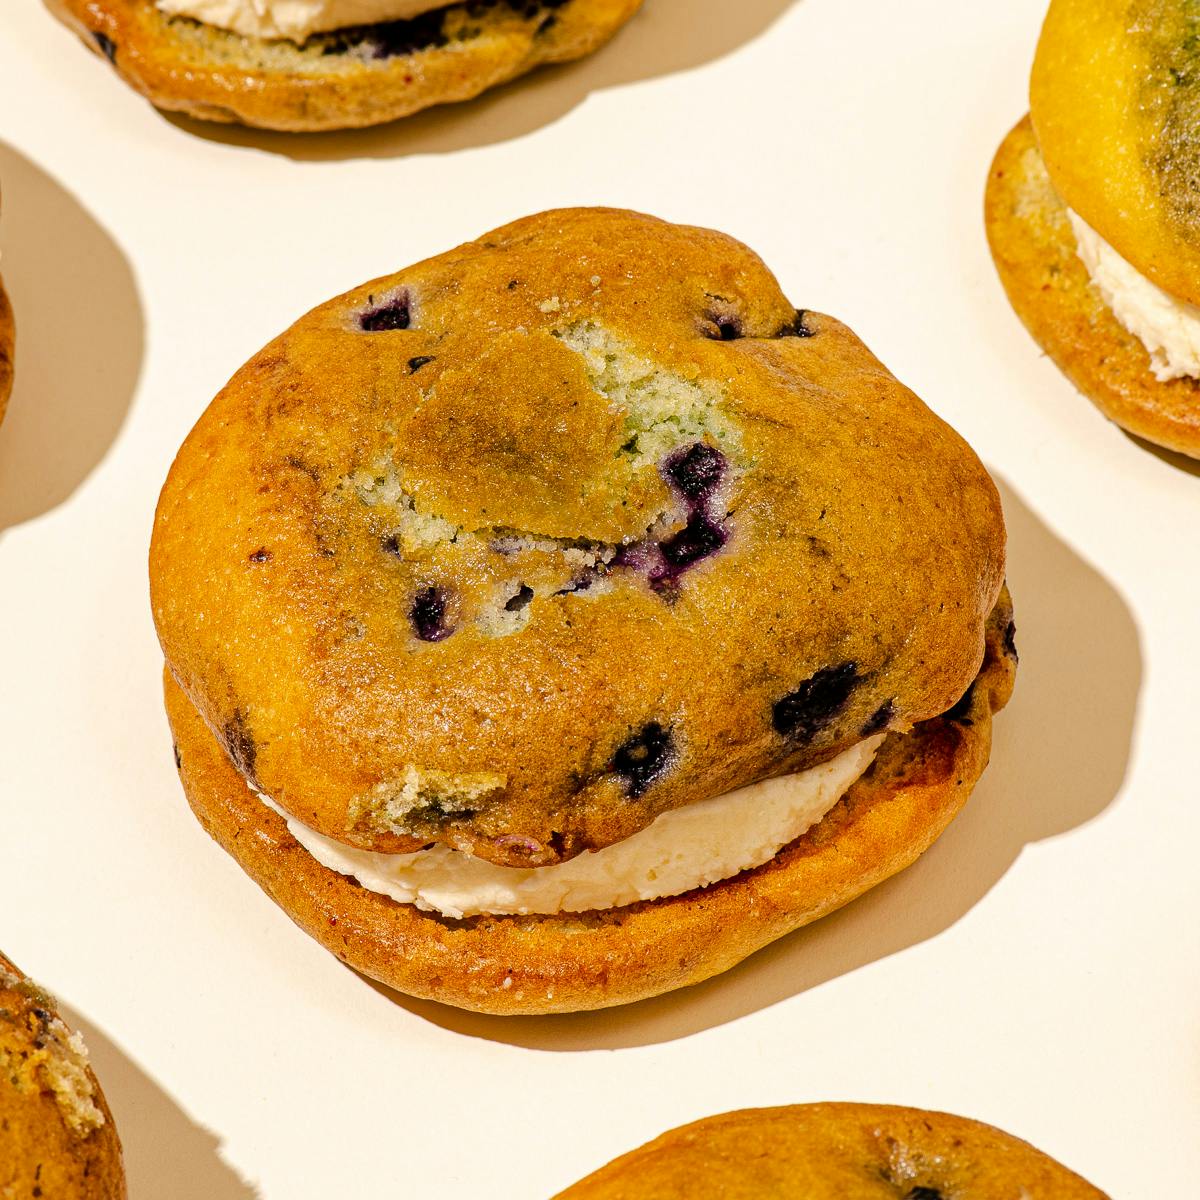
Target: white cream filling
[
  {"x": 295, "y": 19},
  {"x": 1168, "y": 328},
  {"x": 683, "y": 849}
]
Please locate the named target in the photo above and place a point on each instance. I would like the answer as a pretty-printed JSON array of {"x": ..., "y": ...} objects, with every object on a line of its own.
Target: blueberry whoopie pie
[
  {"x": 558, "y": 621},
  {"x": 1093, "y": 210},
  {"x": 7, "y": 340},
  {"x": 306, "y": 65},
  {"x": 822, "y": 1151},
  {"x": 57, "y": 1138}
]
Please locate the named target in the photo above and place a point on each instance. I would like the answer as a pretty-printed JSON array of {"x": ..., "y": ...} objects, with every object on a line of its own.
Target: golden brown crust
[
  {"x": 7, "y": 342},
  {"x": 345, "y": 80},
  {"x": 346, "y": 479},
  {"x": 1035, "y": 253},
  {"x": 526, "y": 965},
  {"x": 821, "y": 1151},
  {"x": 1115, "y": 103},
  {"x": 57, "y": 1137}
]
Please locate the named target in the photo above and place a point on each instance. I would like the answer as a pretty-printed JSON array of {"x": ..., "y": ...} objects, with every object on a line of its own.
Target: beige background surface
[{"x": 1038, "y": 969}]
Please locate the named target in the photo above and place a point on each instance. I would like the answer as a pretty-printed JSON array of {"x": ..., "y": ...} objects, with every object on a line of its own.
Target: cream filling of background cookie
[
  {"x": 295, "y": 19},
  {"x": 683, "y": 849},
  {"x": 1168, "y": 328}
]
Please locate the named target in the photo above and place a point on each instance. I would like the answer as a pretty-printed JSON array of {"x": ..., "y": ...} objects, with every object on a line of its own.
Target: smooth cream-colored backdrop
[{"x": 1038, "y": 969}]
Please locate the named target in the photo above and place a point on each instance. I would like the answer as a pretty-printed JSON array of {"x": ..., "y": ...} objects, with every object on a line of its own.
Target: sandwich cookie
[
  {"x": 57, "y": 1138},
  {"x": 8, "y": 334},
  {"x": 307, "y": 65},
  {"x": 1092, "y": 213},
  {"x": 819, "y": 1151},
  {"x": 558, "y": 621}
]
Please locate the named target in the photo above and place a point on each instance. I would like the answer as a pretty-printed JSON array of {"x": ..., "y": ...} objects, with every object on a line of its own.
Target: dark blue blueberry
[
  {"x": 960, "y": 713},
  {"x": 428, "y": 615},
  {"x": 880, "y": 719},
  {"x": 395, "y": 313},
  {"x": 924, "y": 1193},
  {"x": 521, "y": 600},
  {"x": 391, "y": 545},
  {"x": 106, "y": 46},
  {"x": 421, "y": 360},
  {"x": 391, "y": 39},
  {"x": 643, "y": 758},
  {"x": 696, "y": 471},
  {"x": 802, "y": 714},
  {"x": 699, "y": 538}
]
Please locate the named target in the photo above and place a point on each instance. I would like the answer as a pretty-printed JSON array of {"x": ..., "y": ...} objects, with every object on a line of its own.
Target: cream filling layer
[
  {"x": 683, "y": 849},
  {"x": 1168, "y": 328},
  {"x": 295, "y": 20}
]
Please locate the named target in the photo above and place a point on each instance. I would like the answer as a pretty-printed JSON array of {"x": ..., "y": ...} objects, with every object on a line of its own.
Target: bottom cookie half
[{"x": 578, "y": 961}]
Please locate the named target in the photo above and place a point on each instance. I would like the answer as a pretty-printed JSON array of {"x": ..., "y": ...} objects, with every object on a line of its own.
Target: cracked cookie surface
[
  {"x": 350, "y": 78},
  {"x": 818, "y": 1151},
  {"x": 631, "y": 532}
]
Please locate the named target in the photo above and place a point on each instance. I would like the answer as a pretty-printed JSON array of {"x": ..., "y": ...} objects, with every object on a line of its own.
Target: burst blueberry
[
  {"x": 428, "y": 614},
  {"x": 696, "y": 471},
  {"x": 394, "y": 313},
  {"x": 644, "y": 758}
]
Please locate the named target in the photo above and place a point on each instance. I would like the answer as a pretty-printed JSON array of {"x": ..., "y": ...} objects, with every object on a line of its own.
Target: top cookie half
[
  {"x": 517, "y": 548},
  {"x": 1115, "y": 103}
]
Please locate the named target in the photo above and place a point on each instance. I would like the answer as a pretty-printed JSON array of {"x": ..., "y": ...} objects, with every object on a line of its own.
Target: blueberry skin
[
  {"x": 428, "y": 615},
  {"x": 644, "y": 758},
  {"x": 695, "y": 472},
  {"x": 816, "y": 703},
  {"x": 395, "y": 313}
]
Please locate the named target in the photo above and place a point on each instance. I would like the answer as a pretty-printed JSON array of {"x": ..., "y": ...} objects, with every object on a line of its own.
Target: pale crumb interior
[{"x": 663, "y": 411}]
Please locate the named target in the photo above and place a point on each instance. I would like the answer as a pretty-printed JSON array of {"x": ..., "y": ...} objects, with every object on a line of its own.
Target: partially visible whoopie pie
[
  {"x": 822, "y": 1151},
  {"x": 560, "y": 620},
  {"x": 57, "y": 1138},
  {"x": 307, "y": 65},
  {"x": 1092, "y": 210},
  {"x": 7, "y": 342}
]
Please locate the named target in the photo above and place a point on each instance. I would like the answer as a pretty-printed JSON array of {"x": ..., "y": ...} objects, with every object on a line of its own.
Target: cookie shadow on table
[
  {"x": 1058, "y": 760},
  {"x": 165, "y": 1152},
  {"x": 666, "y": 37},
  {"x": 80, "y": 337},
  {"x": 1173, "y": 458}
]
